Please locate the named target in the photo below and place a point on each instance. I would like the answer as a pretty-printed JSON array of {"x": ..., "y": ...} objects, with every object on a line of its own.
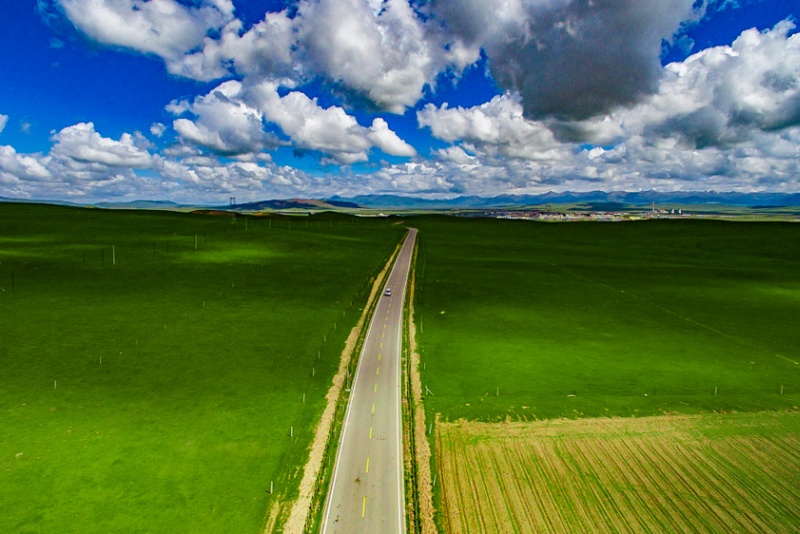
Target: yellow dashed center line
[
  {"x": 370, "y": 432},
  {"x": 373, "y": 408},
  {"x": 367, "y": 470},
  {"x": 375, "y": 389},
  {"x": 378, "y": 371},
  {"x": 364, "y": 506},
  {"x": 379, "y": 357}
]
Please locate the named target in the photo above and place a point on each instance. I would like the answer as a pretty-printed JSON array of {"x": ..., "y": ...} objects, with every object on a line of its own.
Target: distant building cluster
[{"x": 604, "y": 216}]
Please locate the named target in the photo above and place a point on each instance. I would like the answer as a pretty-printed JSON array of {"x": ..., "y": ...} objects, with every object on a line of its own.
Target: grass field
[
  {"x": 153, "y": 364},
  {"x": 707, "y": 473},
  {"x": 537, "y": 321}
]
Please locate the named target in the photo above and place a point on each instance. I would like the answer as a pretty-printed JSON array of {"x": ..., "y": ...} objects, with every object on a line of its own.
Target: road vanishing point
[{"x": 366, "y": 492}]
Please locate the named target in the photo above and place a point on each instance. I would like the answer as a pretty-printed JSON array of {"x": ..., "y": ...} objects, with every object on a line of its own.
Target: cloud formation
[
  {"x": 165, "y": 28},
  {"x": 225, "y": 124},
  {"x": 569, "y": 58},
  {"x": 82, "y": 144},
  {"x": 720, "y": 96},
  {"x": 231, "y": 121},
  {"x": 586, "y": 103},
  {"x": 566, "y": 58},
  {"x": 374, "y": 48}
]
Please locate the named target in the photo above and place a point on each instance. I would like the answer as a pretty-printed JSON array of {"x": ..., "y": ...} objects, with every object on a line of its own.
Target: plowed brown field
[{"x": 710, "y": 473}]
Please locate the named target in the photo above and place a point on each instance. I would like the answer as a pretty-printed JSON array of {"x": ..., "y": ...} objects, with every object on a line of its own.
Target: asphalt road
[{"x": 366, "y": 493}]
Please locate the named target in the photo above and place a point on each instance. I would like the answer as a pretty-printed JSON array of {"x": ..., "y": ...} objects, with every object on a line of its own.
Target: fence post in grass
[
  {"x": 271, "y": 486},
  {"x": 304, "y": 398},
  {"x": 313, "y": 371},
  {"x": 781, "y": 390},
  {"x": 715, "y": 391},
  {"x": 498, "y": 392},
  {"x": 291, "y": 431},
  {"x": 55, "y": 384},
  {"x": 113, "y": 255}
]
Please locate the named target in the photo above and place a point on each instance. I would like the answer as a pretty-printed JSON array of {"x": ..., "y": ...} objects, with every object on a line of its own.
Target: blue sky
[{"x": 198, "y": 100}]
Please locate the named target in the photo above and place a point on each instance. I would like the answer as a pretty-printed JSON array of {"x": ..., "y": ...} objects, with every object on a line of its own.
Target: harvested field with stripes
[{"x": 735, "y": 472}]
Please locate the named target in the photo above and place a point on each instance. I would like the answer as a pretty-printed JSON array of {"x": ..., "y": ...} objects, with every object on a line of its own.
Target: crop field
[
  {"x": 706, "y": 473},
  {"x": 530, "y": 321},
  {"x": 158, "y": 371}
]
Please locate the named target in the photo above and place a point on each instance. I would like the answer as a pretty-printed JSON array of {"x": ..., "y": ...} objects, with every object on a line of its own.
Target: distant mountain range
[
  {"x": 619, "y": 199},
  {"x": 643, "y": 198},
  {"x": 294, "y": 203}
]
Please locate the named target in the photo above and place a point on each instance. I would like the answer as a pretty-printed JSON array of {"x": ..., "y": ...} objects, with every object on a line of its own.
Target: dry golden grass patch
[{"x": 708, "y": 473}]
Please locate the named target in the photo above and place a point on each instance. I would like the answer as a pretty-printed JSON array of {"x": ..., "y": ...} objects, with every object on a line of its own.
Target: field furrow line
[
  {"x": 704, "y": 504},
  {"x": 496, "y": 496},
  {"x": 639, "y": 485},
  {"x": 640, "y": 502},
  {"x": 526, "y": 497},
  {"x": 715, "y": 474},
  {"x": 585, "y": 515},
  {"x": 552, "y": 477},
  {"x": 748, "y": 471},
  {"x": 699, "y": 507},
  {"x": 517, "y": 495},
  {"x": 629, "y": 454},
  {"x": 624, "y": 476},
  {"x": 790, "y": 450},
  {"x": 588, "y": 478},
  {"x": 479, "y": 492},
  {"x": 608, "y": 505},
  {"x": 465, "y": 472},
  {"x": 453, "y": 498},
  {"x": 547, "y": 505},
  {"x": 767, "y": 455}
]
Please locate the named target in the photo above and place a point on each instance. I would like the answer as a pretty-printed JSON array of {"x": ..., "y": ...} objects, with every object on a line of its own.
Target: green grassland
[
  {"x": 607, "y": 319},
  {"x": 152, "y": 364}
]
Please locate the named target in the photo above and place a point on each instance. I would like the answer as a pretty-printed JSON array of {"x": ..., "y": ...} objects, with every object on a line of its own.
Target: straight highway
[{"x": 366, "y": 492}]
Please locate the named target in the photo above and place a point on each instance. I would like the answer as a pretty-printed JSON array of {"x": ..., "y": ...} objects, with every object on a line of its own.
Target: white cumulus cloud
[
  {"x": 375, "y": 48},
  {"x": 232, "y": 119},
  {"x": 165, "y": 28},
  {"x": 83, "y": 144},
  {"x": 496, "y": 128},
  {"x": 225, "y": 124}
]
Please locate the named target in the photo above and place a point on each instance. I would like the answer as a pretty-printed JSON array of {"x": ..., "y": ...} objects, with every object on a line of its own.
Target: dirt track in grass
[{"x": 709, "y": 473}]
